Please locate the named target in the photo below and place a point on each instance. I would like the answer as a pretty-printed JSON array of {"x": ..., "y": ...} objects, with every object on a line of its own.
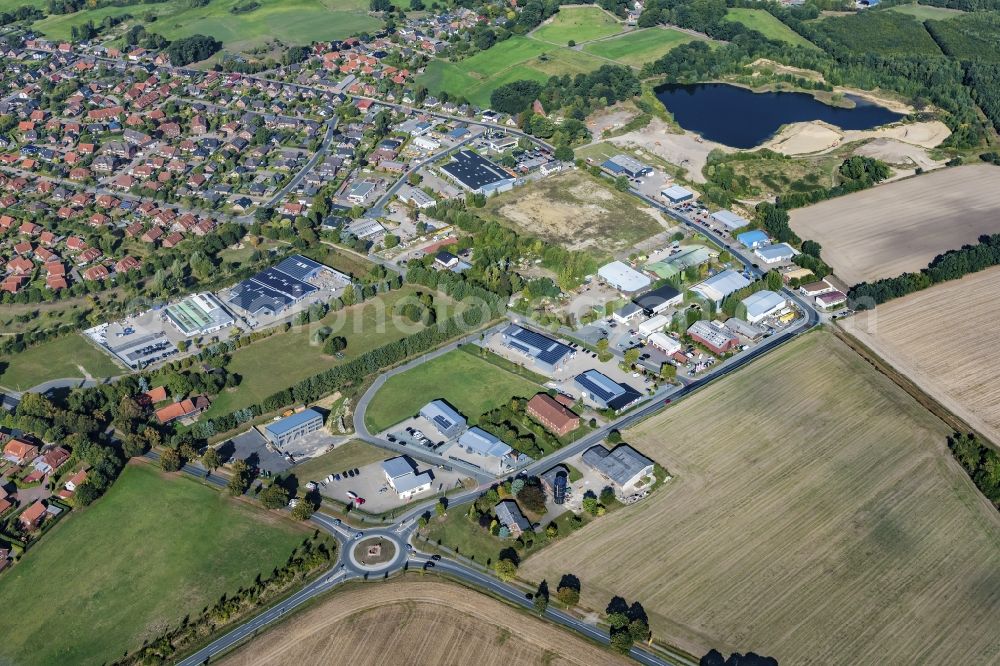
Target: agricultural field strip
[
  {"x": 908, "y": 334},
  {"x": 842, "y": 510},
  {"x": 431, "y": 622},
  {"x": 901, "y": 226}
]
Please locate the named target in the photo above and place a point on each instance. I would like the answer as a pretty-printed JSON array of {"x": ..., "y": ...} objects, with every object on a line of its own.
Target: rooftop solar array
[
  {"x": 599, "y": 386},
  {"x": 541, "y": 347},
  {"x": 277, "y": 287},
  {"x": 474, "y": 171}
]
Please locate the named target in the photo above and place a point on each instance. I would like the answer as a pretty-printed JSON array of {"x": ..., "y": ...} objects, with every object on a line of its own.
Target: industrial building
[
  {"x": 721, "y": 285},
  {"x": 664, "y": 343},
  {"x": 753, "y": 239},
  {"x": 763, "y": 304},
  {"x": 400, "y": 474},
  {"x": 729, "y": 219},
  {"x": 744, "y": 330},
  {"x": 360, "y": 191},
  {"x": 714, "y": 336},
  {"x": 550, "y": 413},
  {"x": 623, "y": 277},
  {"x": 605, "y": 392},
  {"x": 652, "y": 325},
  {"x": 676, "y": 194},
  {"x": 624, "y": 467},
  {"x": 773, "y": 254},
  {"x": 198, "y": 314},
  {"x": 548, "y": 354},
  {"x": 447, "y": 420},
  {"x": 276, "y": 288},
  {"x": 416, "y": 197},
  {"x": 627, "y": 313},
  {"x": 659, "y": 299},
  {"x": 478, "y": 441},
  {"x": 625, "y": 165},
  {"x": 816, "y": 288},
  {"x": 831, "y": 299},
  {"x": 283, "y": 431},
  {"x": 682, "y": 259},
  {"x": 477, "y": 174}
]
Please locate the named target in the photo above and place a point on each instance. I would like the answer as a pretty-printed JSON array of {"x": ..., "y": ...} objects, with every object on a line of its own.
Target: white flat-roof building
[
  {"x": 729, "y": 219},
  {"x": 623, "y": 277},
  {"x": 676, "y": 194},
  {"x": 772, "y": 254},
  {"x": 652, "y": 325},
  {"x": 721, "y": 285},
  {"x": 763, "y": 304},
  {"x": 664, "y": 343},
  {"x": 199, "y": 314}
]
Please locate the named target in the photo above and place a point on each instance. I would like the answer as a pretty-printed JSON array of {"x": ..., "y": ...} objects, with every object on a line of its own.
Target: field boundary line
[{"x": 912, "y": 389}]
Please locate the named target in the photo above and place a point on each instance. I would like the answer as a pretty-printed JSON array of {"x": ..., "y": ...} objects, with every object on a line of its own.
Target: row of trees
[
  {"x": 313, "y": 555},
  {"x": 980, "y": 462},
  {"x": 948, "y": 266}
]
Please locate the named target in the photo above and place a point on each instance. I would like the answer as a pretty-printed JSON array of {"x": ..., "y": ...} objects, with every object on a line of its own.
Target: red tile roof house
[
  {"x": 19, "y": 451},
  {"x": 182, "y": 409},
  {"x": 72, "y": 484},
  {"x": 32, "y": 517},
  {"x": 51, "y": 460},
  {"x": 551, "y": 414},
  {"x": 96, "y": 273}
]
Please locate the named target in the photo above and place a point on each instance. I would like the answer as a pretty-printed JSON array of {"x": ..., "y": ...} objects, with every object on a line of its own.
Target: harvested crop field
[
  {"x": 427, "y": 621},
  {"x": 577, "y": 211},
  {"x": 815, "y": 516},
  {"x": 901, "y": 226},
  {"x": 958, "y": 369}
]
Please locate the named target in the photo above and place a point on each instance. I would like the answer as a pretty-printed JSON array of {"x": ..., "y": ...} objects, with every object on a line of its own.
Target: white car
[
  {"x": 417, "y": 434},
  {"x": 351, "y": 495}
]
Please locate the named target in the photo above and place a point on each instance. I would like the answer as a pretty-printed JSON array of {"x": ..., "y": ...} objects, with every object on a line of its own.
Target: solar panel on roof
[
  {"x": 596, "y": 389},
  {"x": 443, "y": 422},
  {"x": 298, "y": 267}
]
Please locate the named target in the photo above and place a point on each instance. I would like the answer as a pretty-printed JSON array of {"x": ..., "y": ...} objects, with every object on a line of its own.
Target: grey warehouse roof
[{"x": 620, "y": 465}]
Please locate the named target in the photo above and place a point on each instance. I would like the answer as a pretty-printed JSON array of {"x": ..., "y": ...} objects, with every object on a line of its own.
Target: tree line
[
  {"x": 951, "y": 265},
  {"x": 980, "y": 462}
]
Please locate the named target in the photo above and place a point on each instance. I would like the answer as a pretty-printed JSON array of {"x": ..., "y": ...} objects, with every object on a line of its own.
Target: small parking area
[
  {"x": 252, "y": 446},
  {"x": 369, "y": 483}
]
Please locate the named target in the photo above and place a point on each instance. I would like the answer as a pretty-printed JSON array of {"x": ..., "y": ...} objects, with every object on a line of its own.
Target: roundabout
[{"x": 375, "y": 552}]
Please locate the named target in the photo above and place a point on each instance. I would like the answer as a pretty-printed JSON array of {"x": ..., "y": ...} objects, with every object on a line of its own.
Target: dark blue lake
[{"x": 741, "y": 118}]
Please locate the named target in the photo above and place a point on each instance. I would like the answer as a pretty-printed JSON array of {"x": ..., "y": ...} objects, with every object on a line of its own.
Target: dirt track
[{"x": 417, "y": 622}]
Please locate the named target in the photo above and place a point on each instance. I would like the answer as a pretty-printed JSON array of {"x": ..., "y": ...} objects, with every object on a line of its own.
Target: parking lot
[
  {"x": 252, "y": 446},
  {"x": 369, "y": 484}
]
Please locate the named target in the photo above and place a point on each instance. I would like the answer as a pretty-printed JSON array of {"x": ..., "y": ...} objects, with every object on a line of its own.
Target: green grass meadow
[
  {"x": 283, "y": 359},
  {"x": 291, "y": 21},
  {"x": 927, "y": 12},
  {"x": 55, "y": 359},
  {"x": 769, "y": 26},
  {"x": 639, "y": 47},
  {"x": 152, "y": 550},
  {"x": 473, "y": 386},
  {"x": 581, "y": 24}
]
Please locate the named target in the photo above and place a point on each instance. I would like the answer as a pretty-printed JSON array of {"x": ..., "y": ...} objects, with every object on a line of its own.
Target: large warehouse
[
  {"x": 625, "y": 165},
  {"x": 605, "y": 392},
  {"x": 477, "y": 174},
  {"x": 198, "y": 314},
  {"x": 762, "y": 305},
  {"x": 276, "y": 288},
  {"x": 547, "y": 353},
  {"x": 729, "y": 219},
  {"x": 721, "y": 285},
  {"x": 448, "y": 421},
  {"x": 623, "y": 277},
  {"x": 659, "y": 299}
]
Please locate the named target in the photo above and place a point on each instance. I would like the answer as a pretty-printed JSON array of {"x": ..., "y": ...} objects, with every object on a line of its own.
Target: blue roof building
[
  {"x": 547, "y": 353},
  {"x": 753, "y": 239},
  {"x": 283, "y": 431}
]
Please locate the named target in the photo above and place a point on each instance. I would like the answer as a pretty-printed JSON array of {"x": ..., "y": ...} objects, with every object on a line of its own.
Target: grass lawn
[
  {"x": 153, "y": 550},
  {"x": 514, "y": 59},
  {"x": 768, "y": 25},
  {"x": 472, "y": 385},
  {"x": 354, "y": 453},
  {"x": 639, "y": 47},
  {"x": 55, "y": 359},
  {"x": 927, "y": 12},
  {"x": 283, "y": 359},
  {"x": 291, "y": 21},
  {"x": 581, "y": 24}
]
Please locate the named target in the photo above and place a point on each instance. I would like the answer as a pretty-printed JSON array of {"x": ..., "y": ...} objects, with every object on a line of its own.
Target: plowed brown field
[
  {"x": 418, "y": 622},
  {"x": 816, "y": 516}
]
